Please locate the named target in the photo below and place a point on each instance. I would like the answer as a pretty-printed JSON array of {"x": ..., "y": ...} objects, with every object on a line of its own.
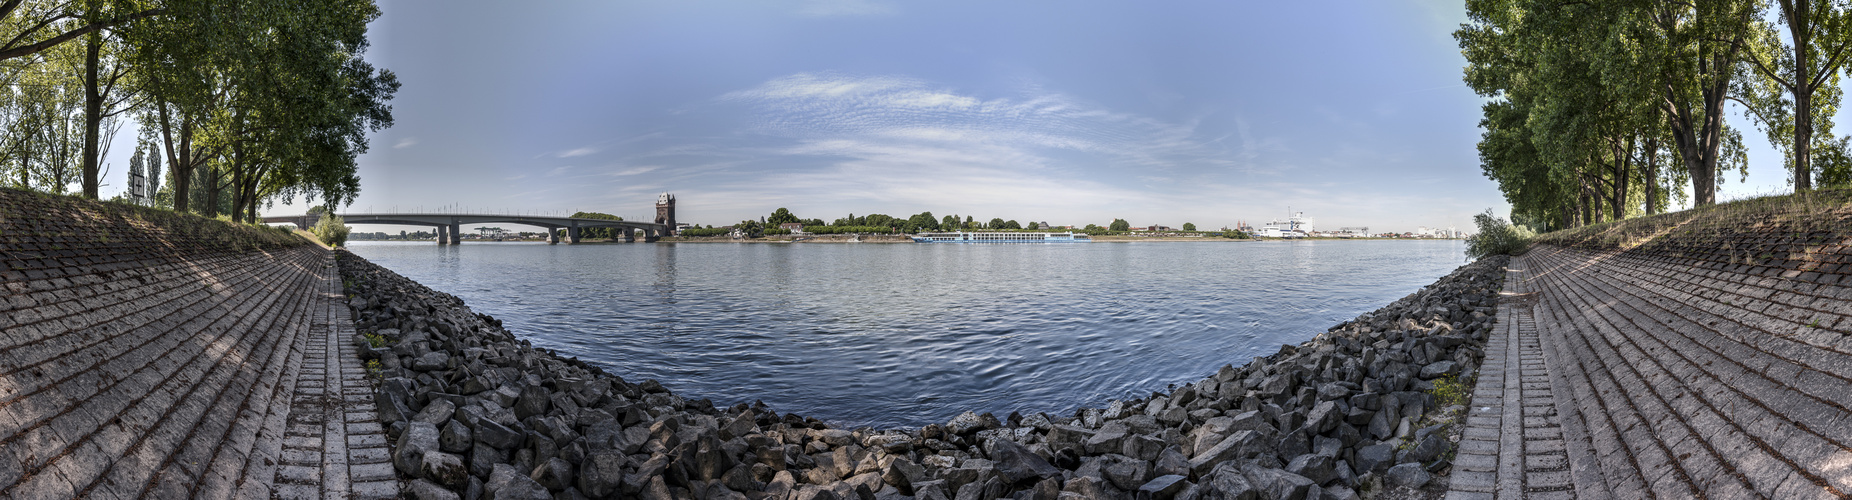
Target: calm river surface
[{"x": 910, "y": 334}]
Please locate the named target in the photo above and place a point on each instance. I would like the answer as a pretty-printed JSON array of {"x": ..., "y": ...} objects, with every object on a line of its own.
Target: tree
[
  {"x": 1011, "y": 224},
  {"x": 1819, "y": 33},
  {"x": 1189, "y": 226},
  {"x": 922, "y": 221},
  {"x": 599, "y": 232},
  {"x": 1120, "y": 225},
  {"x": 995, "y": 223},
  {"x": 781, "y": 216}
]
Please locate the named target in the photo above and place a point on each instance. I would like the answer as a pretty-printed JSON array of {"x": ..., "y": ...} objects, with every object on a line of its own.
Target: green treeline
[
  {"x": 1599, "y": 111},
  {"x": 246, "y": 102}
]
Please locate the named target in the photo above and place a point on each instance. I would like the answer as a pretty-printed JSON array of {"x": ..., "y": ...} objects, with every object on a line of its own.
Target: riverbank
[{"x": 1248, "y": 428}]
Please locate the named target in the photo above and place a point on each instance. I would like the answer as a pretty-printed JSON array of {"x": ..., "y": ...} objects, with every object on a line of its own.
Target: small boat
[{"x": 1000, "y": 237}]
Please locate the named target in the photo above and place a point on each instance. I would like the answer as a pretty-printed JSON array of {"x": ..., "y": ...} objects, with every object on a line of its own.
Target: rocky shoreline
[{"x": 475, "y": 412}]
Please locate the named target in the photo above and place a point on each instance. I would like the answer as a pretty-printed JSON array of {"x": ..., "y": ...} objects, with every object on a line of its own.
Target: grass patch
[
  {"x": 1450, "y": 391},
  {"x": 1815, "y": 216}
]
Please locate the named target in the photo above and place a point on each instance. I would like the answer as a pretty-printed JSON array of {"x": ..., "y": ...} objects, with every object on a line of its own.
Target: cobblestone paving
[
  {"x": 1513, "y": 443},
  {"x": 153, "y": 355},
  {"x": 335, "y": 446},
  {"x": 159, "y": 381},
  {"x": 1671, "y": 377}
]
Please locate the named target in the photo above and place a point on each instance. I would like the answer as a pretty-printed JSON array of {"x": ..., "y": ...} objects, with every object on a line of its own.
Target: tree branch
[{"x": 68, "y": 36}]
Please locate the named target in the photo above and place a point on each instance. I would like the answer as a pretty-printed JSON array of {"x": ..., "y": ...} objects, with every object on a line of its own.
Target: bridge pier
[
  {"x": 443, "y": 236},
  {"x": 572, "y": 235},
  {"x": 630, "y": 235},
  {"x": 651, "y": 235},
  {"x": 552, "y": 236},
  {"x": 456, "y": 234}
]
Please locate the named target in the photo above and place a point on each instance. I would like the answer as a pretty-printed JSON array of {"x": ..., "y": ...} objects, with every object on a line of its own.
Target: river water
[{"x": 910, "y": 334}]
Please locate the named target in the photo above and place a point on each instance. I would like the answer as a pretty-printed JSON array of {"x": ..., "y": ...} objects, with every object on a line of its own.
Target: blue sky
[{"x": 1066, "y": 112}]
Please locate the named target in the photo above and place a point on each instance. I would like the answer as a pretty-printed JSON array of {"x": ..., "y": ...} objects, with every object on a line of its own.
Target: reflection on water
[{"x": 907, "y": 334}]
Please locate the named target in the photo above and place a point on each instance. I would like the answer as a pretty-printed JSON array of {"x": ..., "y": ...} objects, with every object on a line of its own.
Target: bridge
[{"x": 449, "y": 225}]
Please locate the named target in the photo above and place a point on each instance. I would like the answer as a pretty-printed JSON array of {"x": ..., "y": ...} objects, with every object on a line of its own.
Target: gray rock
[
  {"x": 711, "y": 459},
  {"x": 436, "y": 413},
  {"x": 418, "y": 439},
  {"x": 1320, "y": 469},
  {"x": 553, "y": 474},
  {"x": 1228, "y": 482},
  {"x": 1171, "y": 461},
  {"x": 1242, "y": 444},
  {"x": 420, "y": 489},
  {"x": 1127, "y": 474},
  {"x": 1068, "y": 437},
  {"x": 970, "y": 422},
  {"x": 497, "y": 435},
  {"x": 1428, "y": 448},
  {"x": 601, "y": 473},
  {"x": 1323, "y": 417},
  {"x": 1410, "y": 475},
  {"x": 431, "y": 361},
  {"x": 507, "y": 483},
  {"x": 455, "y": 437},
  {"x": 1017, "y": 464},
  {"x": 903, "y": 474},
  {"x": 444, "y": 468},
  {"x": 1162, "y": 487},
  {"x": 534, "y": 400},
  {"x": 1439, "y": 369},
  {"x": 1142, "y": 447},
  {"x": 1279, "y": 484},
  {"x": 1108, "y": 439},
  {"x": 393, "y": 399}
]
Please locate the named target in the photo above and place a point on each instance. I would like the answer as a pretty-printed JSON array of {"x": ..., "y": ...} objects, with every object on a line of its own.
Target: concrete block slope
[
  {"x": 145, "y": 354},
  {"x": 1701, "y": 364}
]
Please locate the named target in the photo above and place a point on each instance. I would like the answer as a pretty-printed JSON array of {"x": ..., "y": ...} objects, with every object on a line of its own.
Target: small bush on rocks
[
  {"x": 332, "y": 230},
  {"x": 1497, "y": 237}
]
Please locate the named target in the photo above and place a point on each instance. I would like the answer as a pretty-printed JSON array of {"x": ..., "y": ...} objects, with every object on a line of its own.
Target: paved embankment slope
[
  {"x": 149, "y": 354},
  {"x": 1696, "y": 355}
]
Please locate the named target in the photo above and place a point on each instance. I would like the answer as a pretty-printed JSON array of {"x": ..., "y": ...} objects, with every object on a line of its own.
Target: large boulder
[
  {"x": 417, "y": 439},
  {"x": 1017, "y": 464}
]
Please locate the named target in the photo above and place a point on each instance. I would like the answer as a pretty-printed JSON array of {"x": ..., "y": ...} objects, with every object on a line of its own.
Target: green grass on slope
[
  {"x": 77, "y": 222},
  {"x": 1815, "y": 215}
]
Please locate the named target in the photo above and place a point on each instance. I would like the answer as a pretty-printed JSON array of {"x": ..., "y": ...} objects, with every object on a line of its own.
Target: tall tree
[{"x": 1818, "y": 34}]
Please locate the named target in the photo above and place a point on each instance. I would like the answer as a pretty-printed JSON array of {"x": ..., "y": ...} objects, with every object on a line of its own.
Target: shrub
[
  {"x": 332, "y": 230},
  {"x": 1497, "y": 237},
  {"x": 704, "y": 232}
]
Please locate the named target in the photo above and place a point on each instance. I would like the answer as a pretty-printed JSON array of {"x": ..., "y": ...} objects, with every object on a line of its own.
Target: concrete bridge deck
[{"x": 1674, "y": 372}]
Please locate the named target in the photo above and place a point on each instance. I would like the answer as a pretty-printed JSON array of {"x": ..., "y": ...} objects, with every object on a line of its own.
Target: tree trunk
[
  {"x": 1652, "y": 176},
  {"x": 1800, "y": 28},
  {"x": 93, "y": 112},
  {"x": 1622, "y": 163},
  {"x": 212, "y": 191},
  {"x": 182, "y": 171}
]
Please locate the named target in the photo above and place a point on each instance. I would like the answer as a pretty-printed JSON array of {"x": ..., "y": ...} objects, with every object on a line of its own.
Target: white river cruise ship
[{"x": 1000, "y": 237}]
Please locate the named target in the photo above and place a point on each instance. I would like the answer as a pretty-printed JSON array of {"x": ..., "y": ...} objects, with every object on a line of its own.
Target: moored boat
[{"x": 1000, "y": 237}]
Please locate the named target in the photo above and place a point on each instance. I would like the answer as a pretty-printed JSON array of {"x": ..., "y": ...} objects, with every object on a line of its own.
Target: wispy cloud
[
  {"x": 406, "y": 143},
  {"x": 574, "y": 153}
]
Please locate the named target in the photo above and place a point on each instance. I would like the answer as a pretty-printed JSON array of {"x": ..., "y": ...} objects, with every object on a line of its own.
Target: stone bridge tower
[{"x": 665, "y": 212}]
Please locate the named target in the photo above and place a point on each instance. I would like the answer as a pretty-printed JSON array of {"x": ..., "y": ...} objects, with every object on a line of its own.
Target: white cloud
[
  {"x": 574, "y": 153},
  {"x": 406, "y": 143}
]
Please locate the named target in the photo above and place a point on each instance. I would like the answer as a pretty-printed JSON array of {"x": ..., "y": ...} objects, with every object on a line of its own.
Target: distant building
[
  {"x": 1158, "y": 228},
  {"x": 793, "y": 227}
]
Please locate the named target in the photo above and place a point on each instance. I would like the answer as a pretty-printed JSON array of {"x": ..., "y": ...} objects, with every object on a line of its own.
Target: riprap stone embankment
[{"x": 477, "y": 411}]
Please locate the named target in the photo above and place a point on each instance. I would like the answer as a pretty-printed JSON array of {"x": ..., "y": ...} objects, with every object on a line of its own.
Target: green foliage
[
  {"x": 695, "y": 231},
  {"x": 781, "y": 216},
  {"x": 332, "y": 230},
  {"x": 599, "y": 232},
  {"x": 1235, "y": 235},
  {"x": 374, "y": 340},
  {"x": 1120, "y": 225},
  {"x": 374, "y": 370},
  {"x": 1188, "y": 226},
  {"x": 848, "y": 229},
  {"x": 1496, "y": 237},
  {"x": 1450, "y": 391}
]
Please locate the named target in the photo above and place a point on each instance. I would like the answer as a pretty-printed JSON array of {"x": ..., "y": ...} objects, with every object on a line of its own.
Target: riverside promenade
[
  {"x": 1683, "y": 368},
  {"x": 146, "y": 355}
]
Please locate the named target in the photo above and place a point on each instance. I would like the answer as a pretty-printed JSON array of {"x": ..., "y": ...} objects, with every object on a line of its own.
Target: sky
[{"x": 1066, "y": 112}]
